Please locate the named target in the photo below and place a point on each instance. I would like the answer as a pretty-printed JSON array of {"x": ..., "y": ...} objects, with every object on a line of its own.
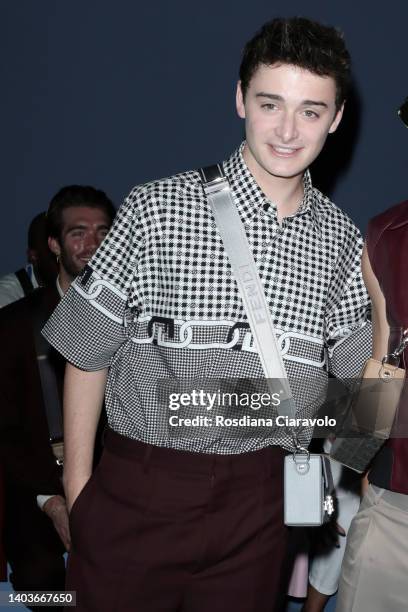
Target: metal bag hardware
[{"x": 58, "y": 451}]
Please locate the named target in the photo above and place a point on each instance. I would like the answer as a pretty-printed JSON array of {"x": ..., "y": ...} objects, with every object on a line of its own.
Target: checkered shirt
[{"x": 158, "y": 301}]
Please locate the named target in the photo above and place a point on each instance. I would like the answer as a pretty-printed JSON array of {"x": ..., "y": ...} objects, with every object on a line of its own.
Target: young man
[
  {"x": 194, "y": 522},
  {"x": 35, "y": 541}
]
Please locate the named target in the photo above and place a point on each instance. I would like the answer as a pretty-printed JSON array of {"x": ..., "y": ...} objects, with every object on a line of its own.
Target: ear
[
  {"x": 54, "y": 246},
  {"x": 240, "y": 101},
  {"x": 337, "y": 119}
]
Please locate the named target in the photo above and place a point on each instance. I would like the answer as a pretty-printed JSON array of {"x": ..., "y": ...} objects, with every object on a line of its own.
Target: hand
[
  {"x": 334, "y": 530},
  {"x": 327, "y": 537},
  {"x": 56, "y": 509},
  {"x": 341, "y": 532}
]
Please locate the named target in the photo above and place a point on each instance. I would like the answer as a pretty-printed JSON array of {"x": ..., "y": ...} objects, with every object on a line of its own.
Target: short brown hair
[
  {"x": 300, "y": 42},
  {"x": 75, "y": 195}
]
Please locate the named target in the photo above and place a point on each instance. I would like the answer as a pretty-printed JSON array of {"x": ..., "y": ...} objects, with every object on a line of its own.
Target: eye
[
  {"x": 269, "y": 106},
  {"x": 77, "y": 233},
  {"x": 311, "y": 114}
]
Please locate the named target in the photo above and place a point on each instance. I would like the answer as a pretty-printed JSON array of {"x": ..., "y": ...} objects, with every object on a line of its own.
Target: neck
[
  {"x": 286, "y": 193},
  {"x": 64, "y": 279}
]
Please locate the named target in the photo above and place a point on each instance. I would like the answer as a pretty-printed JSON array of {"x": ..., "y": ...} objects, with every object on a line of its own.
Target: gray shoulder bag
[{"x": 307, "y": 477}]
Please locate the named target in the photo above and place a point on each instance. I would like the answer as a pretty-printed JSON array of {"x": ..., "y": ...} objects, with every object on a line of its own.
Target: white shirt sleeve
[
  {"x": 41, "y": 499},
  {"x": 10, "y": 289}
]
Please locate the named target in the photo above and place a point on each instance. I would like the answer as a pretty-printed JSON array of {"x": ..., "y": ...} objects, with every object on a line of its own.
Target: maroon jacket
[
  {"x": 387, "y": 245},
  {"x": 25, "y": 450}
]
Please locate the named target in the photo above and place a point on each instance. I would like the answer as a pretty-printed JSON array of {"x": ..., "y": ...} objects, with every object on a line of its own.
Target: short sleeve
[
  {"x": 347, "y": 325},
  {"x": 89, "y": 324}
]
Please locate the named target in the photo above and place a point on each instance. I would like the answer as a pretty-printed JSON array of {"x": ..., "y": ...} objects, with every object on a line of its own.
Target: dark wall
[{"x": 117, "y": 93}]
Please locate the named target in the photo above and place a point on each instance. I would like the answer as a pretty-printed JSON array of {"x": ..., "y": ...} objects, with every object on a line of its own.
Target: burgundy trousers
[{"x": 161, "y": 530}]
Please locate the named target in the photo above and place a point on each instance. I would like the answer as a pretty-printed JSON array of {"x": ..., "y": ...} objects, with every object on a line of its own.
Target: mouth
[{"x": 285, "y": 152}]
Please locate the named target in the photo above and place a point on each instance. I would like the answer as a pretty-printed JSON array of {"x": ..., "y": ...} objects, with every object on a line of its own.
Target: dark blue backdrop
[{"x": 116, "y": 93}]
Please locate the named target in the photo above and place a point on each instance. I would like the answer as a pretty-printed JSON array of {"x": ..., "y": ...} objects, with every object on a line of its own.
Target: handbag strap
[
  {"x": 48, "y": 377},
  {"x": 218, "y": 192},
  {"x": 327, "y": 474},
  {"x": 396, "y": 354}
]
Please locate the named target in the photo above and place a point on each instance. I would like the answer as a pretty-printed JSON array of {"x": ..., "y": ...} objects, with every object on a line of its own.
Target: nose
[
  {"x": 91, "y": 242},
  {"x": 287, "y": 129}
]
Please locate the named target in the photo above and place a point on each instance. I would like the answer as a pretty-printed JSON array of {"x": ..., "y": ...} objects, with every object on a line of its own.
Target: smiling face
[
  {"x": 288, "y": 114},
  {"x": 83, "y": 229}
]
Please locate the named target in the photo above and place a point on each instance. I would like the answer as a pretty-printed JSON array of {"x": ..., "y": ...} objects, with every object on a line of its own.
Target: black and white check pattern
[{"x": 158, "y": 300}]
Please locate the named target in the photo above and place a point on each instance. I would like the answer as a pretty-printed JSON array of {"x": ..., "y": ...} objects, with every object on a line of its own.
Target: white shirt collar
[{"x": 60, "y": 291}]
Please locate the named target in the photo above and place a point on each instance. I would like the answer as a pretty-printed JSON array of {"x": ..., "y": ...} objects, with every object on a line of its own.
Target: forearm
[
  {"x": 381, "y": 329},
  {"x": 380, "y": 335},
  {"x": 83, "y": 399},
  {"x": 364, "y": 485}
]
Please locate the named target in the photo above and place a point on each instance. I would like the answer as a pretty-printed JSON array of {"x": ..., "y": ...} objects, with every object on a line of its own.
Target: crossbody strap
[
  {"x": 218, "y": 192},
  {"x": 395, "y": 356},
  {"x": 48, "y": 376}
]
